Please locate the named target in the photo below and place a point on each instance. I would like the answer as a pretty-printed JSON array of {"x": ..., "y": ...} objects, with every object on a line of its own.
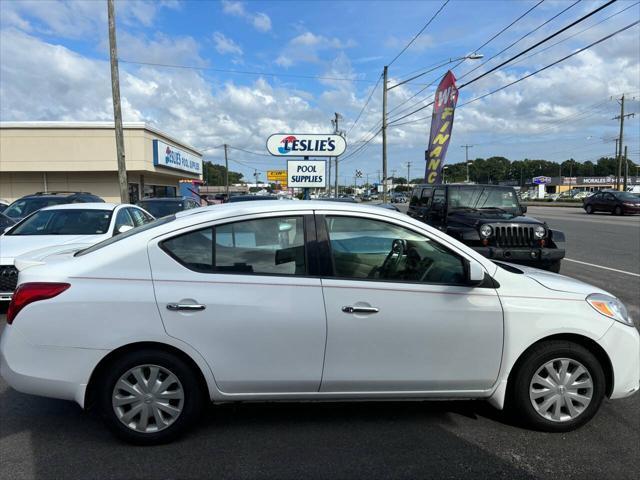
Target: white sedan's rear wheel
[
  {"x": 558, "y": 386},
  {"x": 150, "y": 396}
]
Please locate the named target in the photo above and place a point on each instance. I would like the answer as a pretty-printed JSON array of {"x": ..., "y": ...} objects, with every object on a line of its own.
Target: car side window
[
  {"x": 271, "y": 246},
  {"x": 123, "y": 218},
  {"x": 439, "y": 198},
  {"x": 425, "y": 199},
  {"x": 363, "y": 248},
  {"x": 138, "y": 216}
]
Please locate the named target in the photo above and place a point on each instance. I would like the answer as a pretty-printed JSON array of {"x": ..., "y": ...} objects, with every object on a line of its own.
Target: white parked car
[
  {"x": 263, "y": 301},
  {"x": 62, "y": 225}
]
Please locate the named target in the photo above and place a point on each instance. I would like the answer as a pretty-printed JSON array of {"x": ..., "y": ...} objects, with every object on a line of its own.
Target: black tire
[
  {"x": 618, "y": 210},
  {"x": 553, "y": 266},
  {"x": 194, "y": 396},
  {"x": 520, "y": 402},
  {"x": 588, "y": 209}
]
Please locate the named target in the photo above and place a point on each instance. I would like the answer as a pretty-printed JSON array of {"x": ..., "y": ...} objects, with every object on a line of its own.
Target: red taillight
[{"x": 32, "y": 292}]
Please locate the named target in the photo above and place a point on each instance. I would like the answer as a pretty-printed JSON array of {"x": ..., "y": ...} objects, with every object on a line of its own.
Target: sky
[{"x": 215, "y": 72}]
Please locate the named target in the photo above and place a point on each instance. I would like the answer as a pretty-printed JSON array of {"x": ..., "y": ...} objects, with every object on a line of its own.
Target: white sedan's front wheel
[{"x": 558, "y": 386}]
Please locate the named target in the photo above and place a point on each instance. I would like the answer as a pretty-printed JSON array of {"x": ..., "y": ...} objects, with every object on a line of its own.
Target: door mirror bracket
[{"x": 475, "y": 273}]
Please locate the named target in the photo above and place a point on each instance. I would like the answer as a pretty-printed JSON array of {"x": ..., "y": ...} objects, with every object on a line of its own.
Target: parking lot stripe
[{"x": 604, "y": 268}]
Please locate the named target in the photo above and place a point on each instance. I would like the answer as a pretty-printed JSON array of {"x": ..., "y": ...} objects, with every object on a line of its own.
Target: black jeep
[{"x": 490, "y": 220}]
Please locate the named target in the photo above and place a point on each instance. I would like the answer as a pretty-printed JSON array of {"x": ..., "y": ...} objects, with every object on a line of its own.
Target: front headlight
[
  {"x": 539, "y": 231},
  {"x": 610, "y": 307},
  {"x": 486, "y": 231}
]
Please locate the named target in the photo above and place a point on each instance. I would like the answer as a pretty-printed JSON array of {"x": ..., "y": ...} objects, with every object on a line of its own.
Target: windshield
[
  {"x": 127, "y": 234},
  {"x": 65, "y": 222},
  {"x": 26, "y": 206},
  {"x": 162, "y": 208},
  {"x": 483, "y": 198}
]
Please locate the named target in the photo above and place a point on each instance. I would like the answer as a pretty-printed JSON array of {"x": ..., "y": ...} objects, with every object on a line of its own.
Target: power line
[
  {"x": 463, "y": 60},
  {"x": 581, "y": 19},
  {"x": 365, "y": 105},
  {"x": 551, "y": 64},
  {"x": 544, "y": 40},
  {"x": 520, "y": 39},
  {"x": 502, "y": 31},
  {"x": 526, "y": 76},
  {"x": 419, "y": 33},
  {"x": 246, "y": 72},
  {"x": 575, "y": 34}
]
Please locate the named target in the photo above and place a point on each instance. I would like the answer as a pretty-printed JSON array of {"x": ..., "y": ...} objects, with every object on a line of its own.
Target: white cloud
[
  {"x": 260, "y": 20},
  {"x": 307, "y": 46},
  {"x": 226, "y": 45},
  {"x": 77, "y": 19}
]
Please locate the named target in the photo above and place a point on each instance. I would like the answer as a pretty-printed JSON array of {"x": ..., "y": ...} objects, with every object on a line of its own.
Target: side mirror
[
  {"x": 475, "y": 273},
  {"x": 124, "y": 228}
]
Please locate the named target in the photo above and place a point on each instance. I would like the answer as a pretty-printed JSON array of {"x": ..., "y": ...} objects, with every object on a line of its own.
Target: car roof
[
  {"x": 85, "y": 206},
  {"x": 213, "y": 212}
]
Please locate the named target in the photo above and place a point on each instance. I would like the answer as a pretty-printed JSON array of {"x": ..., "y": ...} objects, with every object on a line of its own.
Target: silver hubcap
[
  {"x": 148, "y": 398},
  {"x": 561, "y": 389}
]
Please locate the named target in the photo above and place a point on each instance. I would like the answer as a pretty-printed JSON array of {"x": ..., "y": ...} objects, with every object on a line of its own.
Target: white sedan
[
  {"x": 63, "y": 225},
  {"x": 265, "y": 301}
]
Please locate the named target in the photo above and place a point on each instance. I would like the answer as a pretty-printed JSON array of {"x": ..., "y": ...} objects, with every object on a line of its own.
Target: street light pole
[
  {"x": 226, "y": 171},
  {"x": 466, "y": 156}
]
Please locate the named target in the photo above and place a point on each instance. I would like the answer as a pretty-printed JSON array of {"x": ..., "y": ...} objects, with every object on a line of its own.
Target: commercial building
[{"x": 73, "y": 156}]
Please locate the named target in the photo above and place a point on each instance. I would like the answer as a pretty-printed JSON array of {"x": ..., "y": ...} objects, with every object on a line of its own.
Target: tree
[{"x": 213, "y": 174}]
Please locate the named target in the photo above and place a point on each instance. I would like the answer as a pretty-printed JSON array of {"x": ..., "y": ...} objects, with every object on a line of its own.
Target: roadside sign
[
  {"x": 306, "y": 145},
  {"x": 541, "y": 180},
  {"x": 277, "y": 175},
  {"x": 306, "y": 173}
]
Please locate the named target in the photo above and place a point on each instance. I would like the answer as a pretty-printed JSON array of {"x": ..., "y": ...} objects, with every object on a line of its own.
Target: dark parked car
[
  {"x": 163, "y": 206},
  {"x": 490, "y": 220},
  {"x": 5, "y": 222},
  {"x": 28, "y": 204},
  {"x": 3, "y": 206},
  {"x": 614, "y": 202}
]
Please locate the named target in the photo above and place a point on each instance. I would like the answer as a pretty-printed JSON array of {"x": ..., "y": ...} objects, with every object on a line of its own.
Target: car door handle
[
  {"x": 174, "y": 307},
  {"x": 350, "y": 309}
]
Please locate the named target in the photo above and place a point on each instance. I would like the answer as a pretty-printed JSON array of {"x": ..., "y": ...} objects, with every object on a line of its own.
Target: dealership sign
[
  {"x": 306, "y": 173},
  {"x": 541, "y": 180},
  {"x": 306, "y": 145},
  {"x": 165, "y": 155}
]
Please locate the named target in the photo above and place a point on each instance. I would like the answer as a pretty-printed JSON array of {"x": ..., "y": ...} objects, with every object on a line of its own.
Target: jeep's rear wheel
[{"x": 588, "y": 209}]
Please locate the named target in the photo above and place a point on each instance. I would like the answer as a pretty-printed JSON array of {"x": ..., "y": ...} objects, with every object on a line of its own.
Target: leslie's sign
[{"x": 305, "y": 145}]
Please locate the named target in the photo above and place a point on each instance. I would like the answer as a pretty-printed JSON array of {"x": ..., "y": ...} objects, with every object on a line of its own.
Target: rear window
[
  {"x": 65, "y": 222},
  {"x": 162, "y": 208},
  {"x": 26, "y": 206},
  {"x": 127, "y": 234}
]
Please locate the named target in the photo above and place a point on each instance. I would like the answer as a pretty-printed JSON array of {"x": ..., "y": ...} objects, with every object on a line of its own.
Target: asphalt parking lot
[{"x": 44, "y": 438}]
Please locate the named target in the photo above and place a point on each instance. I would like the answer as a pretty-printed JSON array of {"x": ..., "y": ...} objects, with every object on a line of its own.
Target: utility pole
[
  {"x": 336, "y": 130},
  {"x": 384, "y": 134},
  {"x": 621, "y": 139},
  {"x": 226, "y": 171},
  {"x": 256, "y": 175},
  {"x": 117, "y": 111},
  {"x": 408, "y": 174},
  {"x": 466, "y": 158}
]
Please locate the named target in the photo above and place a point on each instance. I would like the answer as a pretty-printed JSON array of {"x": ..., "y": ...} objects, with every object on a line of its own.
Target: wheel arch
[
  {"x": 101, "y": 367},
  {"x": 585, "y": 342}
]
